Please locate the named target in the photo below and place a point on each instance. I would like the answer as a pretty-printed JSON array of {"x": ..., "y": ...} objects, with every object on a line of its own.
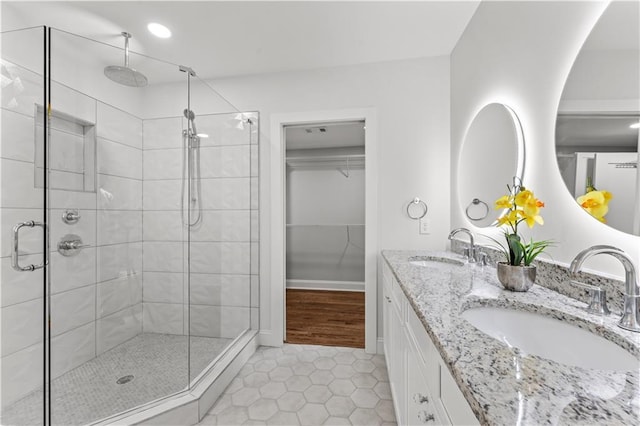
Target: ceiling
[
  {"x": 329, "y": 135},
  {"x": 221, "y": 39}
]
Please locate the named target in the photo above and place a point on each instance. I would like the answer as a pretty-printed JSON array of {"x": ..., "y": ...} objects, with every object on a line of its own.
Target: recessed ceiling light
[
  {"x": 202, "y": 135},
  {"x": 635, "y": 125},
  {"x": 159, "y": 30}
]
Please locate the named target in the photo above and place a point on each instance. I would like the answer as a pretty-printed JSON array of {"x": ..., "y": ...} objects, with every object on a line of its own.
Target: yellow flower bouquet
[
  {"x": 521, "y": 206},
  {"x": 595, "y": 202}
]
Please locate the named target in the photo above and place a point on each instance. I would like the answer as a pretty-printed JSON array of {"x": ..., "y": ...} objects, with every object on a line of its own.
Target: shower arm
[{"x": 126, "y": 36}]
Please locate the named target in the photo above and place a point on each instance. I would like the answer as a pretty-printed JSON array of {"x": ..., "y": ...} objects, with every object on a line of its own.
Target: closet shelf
[
  {"x": 324, "y": 224},
  {"x": 340, "y": 162}
]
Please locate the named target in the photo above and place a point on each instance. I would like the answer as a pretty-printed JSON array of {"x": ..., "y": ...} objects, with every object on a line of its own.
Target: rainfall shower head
[
  {"x": 124, "y": 74},
  {"x": 191, "y": 116}
]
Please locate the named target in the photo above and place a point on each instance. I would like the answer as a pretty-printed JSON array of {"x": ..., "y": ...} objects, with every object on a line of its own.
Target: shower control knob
[
  {"x": 71, "y": 216},
  {"x": 70, "y": 245}
]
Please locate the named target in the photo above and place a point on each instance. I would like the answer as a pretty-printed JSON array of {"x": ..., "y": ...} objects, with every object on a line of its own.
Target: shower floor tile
[{"x": 157, "y": 362}]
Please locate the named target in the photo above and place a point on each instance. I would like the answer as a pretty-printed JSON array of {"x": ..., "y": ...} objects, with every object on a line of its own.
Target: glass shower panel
[
  {"x": 117, "y": 285},
  {"x": 22, "y": 214},
  {"x": 224, "y": 241}
]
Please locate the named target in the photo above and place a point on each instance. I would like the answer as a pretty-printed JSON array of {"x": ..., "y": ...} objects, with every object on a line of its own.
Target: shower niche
[{"x": 72, "y": 151}]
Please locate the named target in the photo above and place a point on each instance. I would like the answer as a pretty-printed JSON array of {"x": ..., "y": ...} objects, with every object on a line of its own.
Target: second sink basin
[
  {"x": 552, "y": 339},
  {"x": 433, "y": 261}
]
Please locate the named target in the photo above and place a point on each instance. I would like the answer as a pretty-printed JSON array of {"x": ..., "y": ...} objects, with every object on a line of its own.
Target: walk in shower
[{"x": 129, "y": 239}]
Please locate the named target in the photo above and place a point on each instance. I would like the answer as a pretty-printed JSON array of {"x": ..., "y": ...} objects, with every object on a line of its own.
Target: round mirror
[
  {"x": 492, "y": 155},
  {"x": 598, "y": 120}
]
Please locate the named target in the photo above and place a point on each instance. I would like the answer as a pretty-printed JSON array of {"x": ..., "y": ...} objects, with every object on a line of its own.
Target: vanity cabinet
[{"x": 424, "y": 392}]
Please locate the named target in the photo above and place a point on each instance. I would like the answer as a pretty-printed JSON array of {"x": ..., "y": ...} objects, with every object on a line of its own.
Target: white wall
[
  {"x": 520, "y": 53},
  {"x": 411, "y": 99}
]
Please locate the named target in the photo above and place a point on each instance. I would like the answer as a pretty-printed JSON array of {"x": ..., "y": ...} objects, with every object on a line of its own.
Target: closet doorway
[{"x": 325, "y": 233}]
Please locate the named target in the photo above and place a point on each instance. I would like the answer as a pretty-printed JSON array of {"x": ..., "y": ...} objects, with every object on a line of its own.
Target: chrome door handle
[{"x": 16, "y": 244}]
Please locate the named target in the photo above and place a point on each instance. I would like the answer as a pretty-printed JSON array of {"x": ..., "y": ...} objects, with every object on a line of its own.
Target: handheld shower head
[{"x": 191, "y": 116}]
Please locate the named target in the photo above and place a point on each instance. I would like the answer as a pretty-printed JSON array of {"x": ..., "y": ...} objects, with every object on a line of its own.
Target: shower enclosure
[{"x": 129, "y": 238}]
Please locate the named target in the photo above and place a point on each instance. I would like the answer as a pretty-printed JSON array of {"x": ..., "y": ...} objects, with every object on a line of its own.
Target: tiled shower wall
[
  {"x": 96, "y": 296},
  {"x": 224, "y": 247}
]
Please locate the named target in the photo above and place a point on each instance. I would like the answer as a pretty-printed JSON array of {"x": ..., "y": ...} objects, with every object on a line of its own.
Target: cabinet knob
[
  {"x": 425, "y": 418},
  {"x": 418, "y": 398},
  {"x": 388, "y": 299}
]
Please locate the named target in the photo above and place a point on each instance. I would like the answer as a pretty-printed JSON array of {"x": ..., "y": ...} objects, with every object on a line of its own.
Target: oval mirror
[
  {"x": 492, "y": 155},
  {"x": 598, "y": 120}
]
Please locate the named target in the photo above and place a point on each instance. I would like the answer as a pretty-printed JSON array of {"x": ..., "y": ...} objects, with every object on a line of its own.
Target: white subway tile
[
  {"x": 217, "y": 321},
  {"x": 226, "y": 193},
  {"x": 223, "y": 129},
  {"x": 224, "y": 258},
  {"x": 116, "y": 193},
  {"x": 225, "y": 161},
  {"x": 216, "y": 289},
  {"x": 162, "y": 195},
  {"x": 60, "y": 199},
  {"x": 72, "y": 309},
  {"x": 163, "y": 226},
  {"x": 66, "y": 152},
  {"x": 73, "y": 103},
  {"x": 165, "y": 287},
  {"x": 119, "y": 260},
  {"x": 31, "y": 239},
  {"x": 74, "y": 271},
  {"x": 20, "y": 286},
  {"x": 255, "y": 258},
  {"x": 255, "y": 193},
  {"x": 255, "y": 160},
  {"x": 21, "y": 325},
  {"x": 119, "y": 126},
  {"x": 163, "y": 164},
  {"x": 72, "y": 349},
  {"x": 119, "y": 226},
  {"x": 163, "y": 256},
  {"x": 118, "y": 294},
  {"x": 24, "y": 92},
  {"x": 255, "y": 225},
  {"x": 22, "y": 374},
  {"x": 255, "y": 291},
  {"x": 117, "y": 328},
  {"x": 220, "y": 225},
  {"x": 163, "y": 318},
  {"x": 17, "y": 136},
  {"x": 118, "y": 159},
  {"x": 18, "y": 188},
  {"x": 163, "y": 133}
]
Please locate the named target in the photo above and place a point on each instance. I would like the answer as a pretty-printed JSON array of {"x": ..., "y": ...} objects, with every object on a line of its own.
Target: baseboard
[
  {"x": 325, "y": 285},
  {"x": 267, "y": 338}
]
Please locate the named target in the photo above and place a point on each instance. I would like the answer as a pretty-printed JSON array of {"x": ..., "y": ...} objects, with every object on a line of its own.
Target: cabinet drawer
[
  {"x": 421, "y": 404},
  {"x": 454, "y": 402},
  {"x": 427, "y": 352}
]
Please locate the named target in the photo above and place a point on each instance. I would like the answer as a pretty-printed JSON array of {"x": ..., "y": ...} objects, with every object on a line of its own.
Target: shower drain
[{"x": 124, "y": 379}]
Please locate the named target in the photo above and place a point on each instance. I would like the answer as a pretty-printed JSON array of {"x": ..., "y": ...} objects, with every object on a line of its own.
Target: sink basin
[
  {"x": 433, "y": 261},
  {"x": 552, "y": 339}
]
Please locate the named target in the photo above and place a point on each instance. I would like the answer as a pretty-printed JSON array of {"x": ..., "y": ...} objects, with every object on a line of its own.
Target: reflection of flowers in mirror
[
  {"x": 595, "y": 202},
  {"x": 521, "y": 206}
]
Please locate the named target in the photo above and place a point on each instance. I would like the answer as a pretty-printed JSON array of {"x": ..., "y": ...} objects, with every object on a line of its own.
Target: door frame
[{"x": 277, "y": 208}]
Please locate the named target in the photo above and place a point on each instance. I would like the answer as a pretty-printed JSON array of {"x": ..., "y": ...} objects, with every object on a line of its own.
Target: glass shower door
[
  {"x": 118, "y": 339},
  {"x": 22, "y": 221}
]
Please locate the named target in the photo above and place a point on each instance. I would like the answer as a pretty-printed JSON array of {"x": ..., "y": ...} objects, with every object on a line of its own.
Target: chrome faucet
[
  {"x": 630, "y": 319},
  {"x": 471, "y": 257}
]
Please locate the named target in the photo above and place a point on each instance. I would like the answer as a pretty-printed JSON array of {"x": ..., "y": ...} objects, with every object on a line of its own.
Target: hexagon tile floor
[{"x": 307, "y": 385}]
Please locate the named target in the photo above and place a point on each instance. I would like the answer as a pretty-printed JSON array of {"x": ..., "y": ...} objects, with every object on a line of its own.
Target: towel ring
[
  {"x": 422, "y": 205},
  {"x": 476, "y": 202}
]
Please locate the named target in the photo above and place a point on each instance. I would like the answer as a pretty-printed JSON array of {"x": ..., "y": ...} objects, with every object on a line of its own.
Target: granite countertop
[{"x": 502, "y": 386}]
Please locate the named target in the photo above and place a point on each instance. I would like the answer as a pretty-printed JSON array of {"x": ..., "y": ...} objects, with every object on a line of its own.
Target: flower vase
[{"x": 516, "y": 278}]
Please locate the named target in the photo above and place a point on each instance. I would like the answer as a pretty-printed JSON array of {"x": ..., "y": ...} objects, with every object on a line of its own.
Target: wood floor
[{"x": 328, "y": 318}]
